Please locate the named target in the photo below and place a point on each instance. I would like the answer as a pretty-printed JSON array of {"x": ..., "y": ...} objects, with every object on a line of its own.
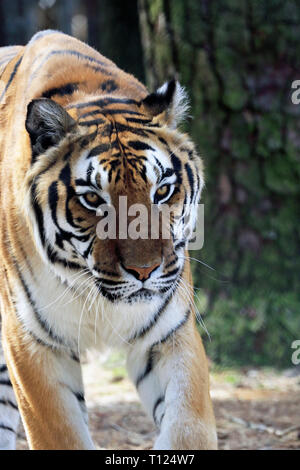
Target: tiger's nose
[{"x": 142, "y": 273}]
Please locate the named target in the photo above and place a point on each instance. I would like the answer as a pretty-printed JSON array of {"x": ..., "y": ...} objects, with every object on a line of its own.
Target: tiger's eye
[
  {"x": 92, "y": 199},
  {"x": 163, "y": 190},
  {"x": 162, "y": 193}
]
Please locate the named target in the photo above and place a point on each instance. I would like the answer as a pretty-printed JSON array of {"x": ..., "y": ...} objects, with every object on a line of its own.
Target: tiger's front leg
[
  {"x": 172, "y": 380},
  {"x": 49, "y": 391}
]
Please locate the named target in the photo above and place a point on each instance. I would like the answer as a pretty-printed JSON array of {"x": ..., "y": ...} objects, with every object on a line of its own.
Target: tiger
[{"x": 77, "y": 134}]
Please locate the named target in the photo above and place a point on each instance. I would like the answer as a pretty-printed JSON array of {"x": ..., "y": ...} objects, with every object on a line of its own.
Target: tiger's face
[{"x": 113, "y": 192}]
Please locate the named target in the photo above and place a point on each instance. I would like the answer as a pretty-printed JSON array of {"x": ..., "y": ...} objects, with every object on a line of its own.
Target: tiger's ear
[
  {"x": 46, "y": 123},
  {"x": 169, "y": 104}
]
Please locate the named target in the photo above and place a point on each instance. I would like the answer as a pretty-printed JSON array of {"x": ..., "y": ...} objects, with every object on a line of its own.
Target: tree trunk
[{"x": 114, "y": 31}]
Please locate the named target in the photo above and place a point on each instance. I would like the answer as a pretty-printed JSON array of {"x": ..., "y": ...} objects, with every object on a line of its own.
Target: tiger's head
[{"x": 107, "y": 152}]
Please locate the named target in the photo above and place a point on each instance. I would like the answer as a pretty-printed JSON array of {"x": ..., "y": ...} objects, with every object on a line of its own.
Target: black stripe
[
  {"x": 11, "y": 78},
  {"x": 151, "y": 354},
  {"x": 89, "y": 173},
  {"x": 165, "y": 143},
  {"x": 90, "y": 113},
  {"x": 109, "y": 86},
  {"x": 162, "y": 417},
  {"x": 166, "y": 282},
  {"x": 168, "y": 172},
  {"x": 69, "y": 153},
  {"x": 54, "y": 258},
  {"x": 113, "y": 111},
  {"x": 81, "y": 182},
  {"x": 89, "y": 248},
  {"x": 159, "y": 166},
  {"x": 38, "y": 340},
  {"x": 69, "y": 214},
  {"x": 102, "y": 102},
  {"x": 93, "y": 122},
  {"x": 65, "y": 175},
  {"x": 172, "y": 262},
  {"x": 143, "y": 132},
  {"x": 118, "y": 176},
  {"x": 171, "y": 273},
  {"x": 98, "y": 150},
  {"x": 80, "y": 56},
  {"x": 38, "y": 213},
  {"x": 63, "y": 234},
  {"x": 149, "y": 366},
  {"x": 180, "y": 245},
  {"x": 79, "y": 396},
  {"x": 156, "y": 405},
  {"x": 3, "y": 368},
  {"x": 173, "y": 330},
  {"x": 111, "y": 282},
  {"x": 138, "y": 121},
  {"x": 191, "y": 179},
  {"x": 111, "y": 297},
  {"x": 8, "y": 403},
  {"x": 120, "y": 111},
  {"x": 138, "y": 145},
  {"x": 152, "y": 322},
  {"x": 100, "y": 66},
  {"x": 43, "y": 324},
  {"x": 106, "y": 273},
  {"x": 177, "y": 166},
  {"x": 198, "y": 184},
  {"x": 114, "y": 289},
  {"x": 61, "y": 91},
  {"x": 74, "y": 357},
  {"x": 53, "y": 200},
  {"x": 7, "y": 428},
  {"x": 5, "y": 382},
  {"x": 84, "y": 141}
]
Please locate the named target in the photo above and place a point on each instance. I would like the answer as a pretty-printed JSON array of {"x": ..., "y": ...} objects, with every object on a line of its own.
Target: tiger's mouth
[
  {"x": 140, "y": 295},
  {"x": 129, "y": 288}
]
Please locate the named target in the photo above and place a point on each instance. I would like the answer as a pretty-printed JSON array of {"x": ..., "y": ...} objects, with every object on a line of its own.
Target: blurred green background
[{"x": 237, "y": 59}]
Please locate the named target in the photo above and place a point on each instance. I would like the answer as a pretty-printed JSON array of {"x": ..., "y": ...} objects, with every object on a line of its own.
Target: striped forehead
[
  {"x": 89, "y": 172},
  {"x": 157, "y": 163},
  {"x": 106, "y": 110},
  {"x": 115, "y": 118}
]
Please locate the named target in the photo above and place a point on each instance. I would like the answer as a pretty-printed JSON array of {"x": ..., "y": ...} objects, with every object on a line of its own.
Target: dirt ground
[{"x": 255, "y": 409}]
